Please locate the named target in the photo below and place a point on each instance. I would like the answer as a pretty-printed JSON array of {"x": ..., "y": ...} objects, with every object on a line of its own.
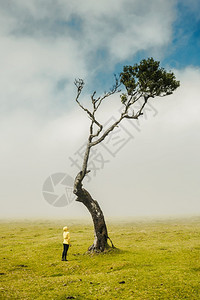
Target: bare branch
[
  {"x": 79, "y": 83},
  {"x": 131, "y": 101},
  {"x": 140, "y": 111},
  {"x": 91, "y": 128},
  {"x": 93, "y": 99},
  {"x": 113, "y": 90},
  {"x": 96, "y": 103},
  {"x": 107, "y": 132},
  {"x": 98, "y": 131},
  {"x": 124, "y": 115}
]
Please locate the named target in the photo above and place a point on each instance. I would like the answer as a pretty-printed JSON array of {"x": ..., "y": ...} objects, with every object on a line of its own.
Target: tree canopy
[{"x": 147, "y": 79}]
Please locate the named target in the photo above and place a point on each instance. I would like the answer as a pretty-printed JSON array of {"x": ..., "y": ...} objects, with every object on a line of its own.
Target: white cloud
[
  {"x": 40, "y": 128},
  {"x": 32, "y": 69},
  {"x": 156, "y": 173},
  {"x": 39, "y": 48},
  {"x": 184, "y": 105},
  {"x": 120, "y": 28}
]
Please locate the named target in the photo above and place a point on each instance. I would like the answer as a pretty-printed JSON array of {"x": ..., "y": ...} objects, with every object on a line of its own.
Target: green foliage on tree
[{"x": 147, "y": 79}]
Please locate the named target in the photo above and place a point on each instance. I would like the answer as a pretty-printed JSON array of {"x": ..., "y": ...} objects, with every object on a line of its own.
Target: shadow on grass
[{"x": 108, "y": 251}]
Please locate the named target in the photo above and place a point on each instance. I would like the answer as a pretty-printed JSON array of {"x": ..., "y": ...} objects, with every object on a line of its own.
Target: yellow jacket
[{"x": 66, "y": 236}]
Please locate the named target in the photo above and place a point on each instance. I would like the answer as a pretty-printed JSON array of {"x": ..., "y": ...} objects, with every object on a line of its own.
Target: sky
[{"x": 146, "y": 168}]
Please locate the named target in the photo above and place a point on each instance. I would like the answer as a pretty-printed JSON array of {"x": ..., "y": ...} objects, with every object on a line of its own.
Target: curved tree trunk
[{"x": 100, "y": 229}]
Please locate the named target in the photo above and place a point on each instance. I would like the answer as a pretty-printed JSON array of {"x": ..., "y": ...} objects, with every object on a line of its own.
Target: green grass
[{"x": 154, "y": 260}]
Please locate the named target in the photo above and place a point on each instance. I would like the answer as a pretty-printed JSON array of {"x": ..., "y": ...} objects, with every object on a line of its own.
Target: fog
[{"x": 153, "y": 170}]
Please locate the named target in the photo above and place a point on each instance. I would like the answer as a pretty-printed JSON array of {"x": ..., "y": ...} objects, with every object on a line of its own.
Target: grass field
[{"x": 155, "y": 260}]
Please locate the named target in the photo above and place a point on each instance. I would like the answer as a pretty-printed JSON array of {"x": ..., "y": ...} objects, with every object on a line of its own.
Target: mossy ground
[{"x": 153, "y": 260}]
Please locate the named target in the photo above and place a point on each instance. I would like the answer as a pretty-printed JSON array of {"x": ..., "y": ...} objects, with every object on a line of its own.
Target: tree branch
[
  {"x": 79, "y": 90},
  {"x": 79, "y": 83},
  {"x": 133, "y": 98},
  {"x": 124, "y": 115},
  {"x": 96, "y": 103},
  {"x": 114, "y": 89},
  {"x": 140, "y": 111},
  {"x": 107, "y": 132}
]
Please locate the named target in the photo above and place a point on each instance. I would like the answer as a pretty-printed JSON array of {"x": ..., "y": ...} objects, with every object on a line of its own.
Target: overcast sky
[{"x": 144, "y": 169}]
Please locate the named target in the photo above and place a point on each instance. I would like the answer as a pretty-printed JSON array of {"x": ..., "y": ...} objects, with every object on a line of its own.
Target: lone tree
[{"x": 141, "y": 81}]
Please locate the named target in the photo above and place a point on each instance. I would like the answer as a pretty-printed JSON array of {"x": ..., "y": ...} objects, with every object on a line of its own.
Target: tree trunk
[{"x": 100, "y": 229}]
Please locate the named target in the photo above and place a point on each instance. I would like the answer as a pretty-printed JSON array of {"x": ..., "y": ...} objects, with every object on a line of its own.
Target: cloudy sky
[{"x": 153, "y": 169}]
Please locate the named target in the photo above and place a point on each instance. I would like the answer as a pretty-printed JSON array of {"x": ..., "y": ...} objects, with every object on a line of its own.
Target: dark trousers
[{"x": 65, "y": 249}]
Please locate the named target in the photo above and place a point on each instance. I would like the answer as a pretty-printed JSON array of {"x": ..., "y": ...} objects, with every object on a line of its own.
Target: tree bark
[{"x": 100, "y": 228}]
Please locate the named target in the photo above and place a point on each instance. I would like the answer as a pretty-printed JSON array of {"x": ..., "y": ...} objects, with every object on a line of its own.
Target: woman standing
[{"x": 66, "y": 243}]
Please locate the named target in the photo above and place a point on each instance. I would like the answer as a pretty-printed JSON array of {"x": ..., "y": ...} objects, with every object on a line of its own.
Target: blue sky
[
  {"x": 185, "y": 46},
  {"x": 44, "y": 46}
]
